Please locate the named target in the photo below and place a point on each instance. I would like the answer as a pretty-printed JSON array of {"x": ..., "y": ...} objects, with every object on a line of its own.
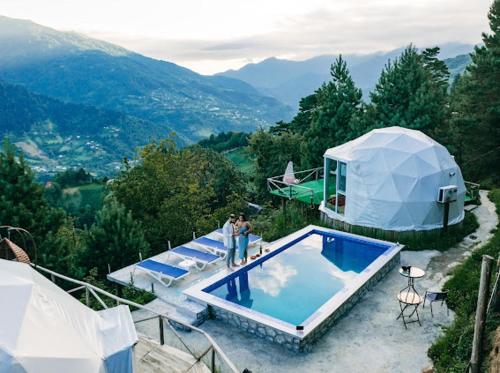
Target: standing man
[{"x": 229, "y": 240}]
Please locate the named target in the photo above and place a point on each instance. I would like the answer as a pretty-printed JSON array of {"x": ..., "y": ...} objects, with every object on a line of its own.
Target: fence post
[
  {"x": 162, "y": 336},
  {"x": 482, "y": 302},
  {"x": 496, "y": 289},
  {"x": 213, "y": 360},
  {"x": 87, "y": 299}
]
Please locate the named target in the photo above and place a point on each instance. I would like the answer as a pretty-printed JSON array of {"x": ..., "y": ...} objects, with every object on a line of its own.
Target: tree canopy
[
  {"x": 411, "y": 92},
  {"x": 473, "y": 131},
  {"x": 174, "y": 191}
]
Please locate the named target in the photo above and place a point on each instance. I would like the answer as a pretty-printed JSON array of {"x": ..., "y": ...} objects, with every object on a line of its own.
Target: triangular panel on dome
[{"x": 404, "y": 185}]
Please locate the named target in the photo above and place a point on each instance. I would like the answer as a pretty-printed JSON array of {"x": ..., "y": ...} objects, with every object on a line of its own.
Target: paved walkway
[{"x": 368, "y": 338}]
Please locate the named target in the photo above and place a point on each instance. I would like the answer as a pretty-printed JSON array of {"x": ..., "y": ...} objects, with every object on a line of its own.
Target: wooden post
[{"x": 482, "y": 302}]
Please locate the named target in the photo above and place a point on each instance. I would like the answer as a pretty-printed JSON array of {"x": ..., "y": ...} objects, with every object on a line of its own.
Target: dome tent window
[{"x": 391, "y": 178}]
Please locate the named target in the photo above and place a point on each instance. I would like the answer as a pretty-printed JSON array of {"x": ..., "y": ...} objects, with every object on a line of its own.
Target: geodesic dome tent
[
  {"x": 389, "y": 179},
  {"x": 45, "y": 329}
]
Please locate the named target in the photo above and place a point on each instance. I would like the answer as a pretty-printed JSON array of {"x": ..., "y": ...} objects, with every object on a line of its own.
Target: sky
[{"x": 209, "y": 36}]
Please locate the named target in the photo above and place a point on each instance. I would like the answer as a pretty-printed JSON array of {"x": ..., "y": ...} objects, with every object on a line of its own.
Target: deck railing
[
  {"x": 171, "y": 331},
  {"x": 295, "y": 190},
  {"x": 472, "y": 191}
]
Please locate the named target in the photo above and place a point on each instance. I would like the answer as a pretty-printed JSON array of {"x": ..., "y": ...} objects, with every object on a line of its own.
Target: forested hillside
[
  {"x": 54, "y": 134},
  {"x": 81, "y": 70}
]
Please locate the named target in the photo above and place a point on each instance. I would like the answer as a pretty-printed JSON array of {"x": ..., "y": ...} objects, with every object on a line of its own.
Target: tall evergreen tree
[
  {"x": 22, "y": 204},
  {"x": 114, "y": 239},
  {"x": 475, "y": 120},
  {"x": 271, "y": 153},
  {"x": 411, "y": 92},
  {"x": 336, "y": 109}
]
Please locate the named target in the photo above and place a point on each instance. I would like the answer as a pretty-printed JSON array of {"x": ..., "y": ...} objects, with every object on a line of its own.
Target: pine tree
[
  {"x": 411, "y": 92},
  {"x": 22, "y": 204},
  {"x": 114, "y": 239},
  {"x": 335, "y": 110},
  {"x": 271, "y": 153},
  {"x": 475, "y": 120}
]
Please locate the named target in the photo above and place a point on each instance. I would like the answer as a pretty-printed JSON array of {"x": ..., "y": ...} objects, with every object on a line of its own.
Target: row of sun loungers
[{"x": 166, "y": 274}]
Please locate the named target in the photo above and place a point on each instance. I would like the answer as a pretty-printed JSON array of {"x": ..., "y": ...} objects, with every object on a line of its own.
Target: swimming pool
[{"x": 307, "y": 278}]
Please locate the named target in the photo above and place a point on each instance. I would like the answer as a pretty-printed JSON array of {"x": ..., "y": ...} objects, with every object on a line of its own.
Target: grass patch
[
  {"x": 241, "y": 159},
  {"x": 451, "y": 352},
  {"x": 92, "y": 195}
]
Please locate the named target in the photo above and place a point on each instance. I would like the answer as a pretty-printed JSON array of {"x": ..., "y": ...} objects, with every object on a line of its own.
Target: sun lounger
[
  {"x": 253, "y": 239},
  {"x": 160, "y": 271},
  {"x": 214, "y": 246},
  {"x": 201, "y": 258}
]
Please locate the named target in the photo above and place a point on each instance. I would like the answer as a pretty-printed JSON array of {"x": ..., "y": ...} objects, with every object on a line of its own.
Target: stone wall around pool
[{"x": 306, "y": 343}]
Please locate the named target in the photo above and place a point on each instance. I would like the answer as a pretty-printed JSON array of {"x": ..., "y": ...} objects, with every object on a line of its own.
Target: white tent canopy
[
  {"x": 392, "y": 180},
  {"x": 44, "y": 329}
]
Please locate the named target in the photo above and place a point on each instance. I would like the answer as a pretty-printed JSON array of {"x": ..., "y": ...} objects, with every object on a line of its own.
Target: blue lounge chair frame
[
  {"x": 202, "y": 259},
  {"x": 211, "y": 245},
  {"x": 160, "y": 271},
  {"x": 253, "y": 239}
]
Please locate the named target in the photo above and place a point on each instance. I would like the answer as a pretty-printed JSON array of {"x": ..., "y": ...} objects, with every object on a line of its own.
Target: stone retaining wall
[{"x": 292, "y": 342}]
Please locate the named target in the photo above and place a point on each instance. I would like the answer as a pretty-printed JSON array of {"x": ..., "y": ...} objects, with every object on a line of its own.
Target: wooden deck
[{"x": 307, "y": 192}]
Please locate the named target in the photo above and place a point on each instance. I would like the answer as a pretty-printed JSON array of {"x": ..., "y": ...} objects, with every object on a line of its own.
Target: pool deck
[
  {"x": 368, "y": 338},
  {"x": 173, "y": 299}
]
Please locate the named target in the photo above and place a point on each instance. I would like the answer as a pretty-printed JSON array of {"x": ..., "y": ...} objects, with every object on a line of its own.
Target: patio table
[{"x": 411, "y": 274}]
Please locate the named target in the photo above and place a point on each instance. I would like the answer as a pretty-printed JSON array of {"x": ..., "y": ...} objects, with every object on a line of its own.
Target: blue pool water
[{"x": 298, "y": 278}]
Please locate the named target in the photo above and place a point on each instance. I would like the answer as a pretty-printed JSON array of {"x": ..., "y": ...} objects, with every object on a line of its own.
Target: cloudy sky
[{"x": 214, "y": 35}]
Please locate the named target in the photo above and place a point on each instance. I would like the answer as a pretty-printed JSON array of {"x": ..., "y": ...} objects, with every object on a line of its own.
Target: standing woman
[{"x": 244, "y": 230}]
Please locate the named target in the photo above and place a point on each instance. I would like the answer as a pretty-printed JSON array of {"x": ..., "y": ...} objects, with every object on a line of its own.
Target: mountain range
[
  {"x": 74, "y": 68},
  {"x": 72, "y": 101},
  {"x": 289, "y": 81},
  {"x": 157, "y": 96}
]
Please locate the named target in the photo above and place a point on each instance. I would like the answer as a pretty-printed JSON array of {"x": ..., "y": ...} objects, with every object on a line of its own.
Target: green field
[
  {"x": 81, "y": 196},
  {"x": 241, "y": 159}
]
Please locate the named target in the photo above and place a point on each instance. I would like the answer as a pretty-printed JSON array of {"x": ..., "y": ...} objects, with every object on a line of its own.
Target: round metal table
[{"x": 412, "y": 274}]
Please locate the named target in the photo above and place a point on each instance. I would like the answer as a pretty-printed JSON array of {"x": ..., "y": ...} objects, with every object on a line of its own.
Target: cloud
[
  {"x": 362, "y": 27},
  {"x": 274, "y": 278},
  {"x": 210, "y": 36}
]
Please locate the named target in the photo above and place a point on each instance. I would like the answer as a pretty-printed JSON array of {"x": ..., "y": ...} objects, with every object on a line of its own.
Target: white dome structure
[
  {"x": 389, "y": 179},
  {"x": 45, "y": 329}
]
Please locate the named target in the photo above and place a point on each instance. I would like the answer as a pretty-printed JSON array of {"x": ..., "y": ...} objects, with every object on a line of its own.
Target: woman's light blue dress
[{"x": 243, "y": 242}]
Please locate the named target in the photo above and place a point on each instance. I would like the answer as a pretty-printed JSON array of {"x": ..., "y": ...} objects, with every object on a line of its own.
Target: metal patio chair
[
  {"x": 436, "y": 296},
  {"x": 409, "y": 300}
]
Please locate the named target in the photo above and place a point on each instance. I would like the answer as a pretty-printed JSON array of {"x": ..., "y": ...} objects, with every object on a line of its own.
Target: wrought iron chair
[
  {"x": 436, "y": 296},
  {"x": 409, "y": 300}
]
